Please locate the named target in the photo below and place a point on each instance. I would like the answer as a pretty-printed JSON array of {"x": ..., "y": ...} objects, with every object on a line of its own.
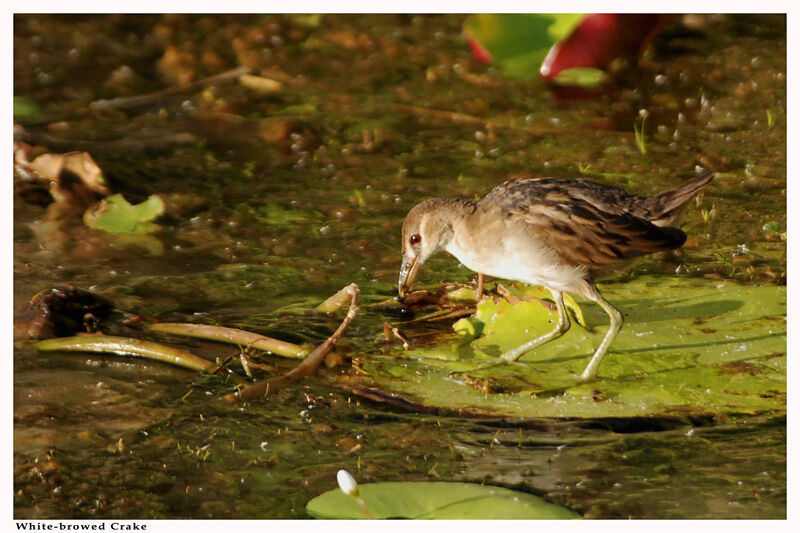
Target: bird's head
[{"x": 427, "y": 229}]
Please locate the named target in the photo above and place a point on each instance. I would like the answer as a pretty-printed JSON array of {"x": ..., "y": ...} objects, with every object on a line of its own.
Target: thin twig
[
  {"x": 389, "y": 330},
  {"x": 463, "y": 118},
  {"x": 445, "y": 314},
  {"x": 505, "y": 293},
  {"x": 308, "y": 366},
  {"x": 248, "y": 363},
  {"x": 403, "y": 339},
  {"x": 131, "y": 143},
  {"x": 144, "y": 99}
]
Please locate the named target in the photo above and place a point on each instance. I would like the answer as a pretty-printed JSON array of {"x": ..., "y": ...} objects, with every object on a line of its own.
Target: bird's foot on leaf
[
  {"x": 495, "y": 361},
  {"x": 584, "y": 378}
]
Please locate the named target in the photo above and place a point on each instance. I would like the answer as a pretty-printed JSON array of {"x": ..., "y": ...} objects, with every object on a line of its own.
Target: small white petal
[{"x": 347, "y": 483}]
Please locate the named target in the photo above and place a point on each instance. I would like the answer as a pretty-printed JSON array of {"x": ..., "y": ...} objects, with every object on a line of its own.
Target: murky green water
[{"x": 287, "y": 197}]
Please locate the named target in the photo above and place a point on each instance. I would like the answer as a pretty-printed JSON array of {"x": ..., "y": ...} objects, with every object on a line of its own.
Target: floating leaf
[
  {"x": 690, "y": 345},
  {"x": 772, "y": 227},
  {"x": 518, "y": 43},
  {"x": 571, "y": 50},
  {"x": 436, "y": 500},
  {"x": 115, "y": 215}
]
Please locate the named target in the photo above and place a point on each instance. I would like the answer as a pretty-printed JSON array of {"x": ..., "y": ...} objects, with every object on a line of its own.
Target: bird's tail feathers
[{"x": 666, "y": 206}]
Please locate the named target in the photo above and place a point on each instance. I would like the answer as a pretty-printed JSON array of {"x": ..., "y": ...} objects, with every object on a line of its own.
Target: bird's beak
[{"x": 408, "y": 271}]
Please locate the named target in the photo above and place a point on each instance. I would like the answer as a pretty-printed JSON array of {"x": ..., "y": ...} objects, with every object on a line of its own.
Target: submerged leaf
[
  {"x": 436, "y": 500},
  {"x": 275, "y": 215}
]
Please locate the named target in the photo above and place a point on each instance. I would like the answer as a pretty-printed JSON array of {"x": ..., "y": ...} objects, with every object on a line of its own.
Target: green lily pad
[
  {"x": 687, "y": 345},
  {"x": 436, "y": 500},
  {"x": 517, "y": 42},
  {"x": 116, "y": 215}
]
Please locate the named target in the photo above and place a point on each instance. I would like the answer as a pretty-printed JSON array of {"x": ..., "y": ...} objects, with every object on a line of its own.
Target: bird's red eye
[{"x": 415, "y": 239}]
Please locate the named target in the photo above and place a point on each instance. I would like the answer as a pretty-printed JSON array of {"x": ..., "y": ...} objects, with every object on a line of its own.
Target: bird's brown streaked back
[{"x": 584, "y": 223}]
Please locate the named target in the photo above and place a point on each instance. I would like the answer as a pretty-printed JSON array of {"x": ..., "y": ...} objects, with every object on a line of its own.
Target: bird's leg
[
  {"x": 563, "y": 325},
  {"x": 616, "y": 323},
  {"x": 479, "y": 290}
]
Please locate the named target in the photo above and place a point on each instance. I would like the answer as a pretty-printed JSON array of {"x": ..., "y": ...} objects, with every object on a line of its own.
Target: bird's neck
[{"x": 453, "y": 216}]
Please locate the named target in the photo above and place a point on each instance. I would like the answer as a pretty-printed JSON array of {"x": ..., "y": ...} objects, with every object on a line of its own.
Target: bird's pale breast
[{"x": 501, "y": 247}]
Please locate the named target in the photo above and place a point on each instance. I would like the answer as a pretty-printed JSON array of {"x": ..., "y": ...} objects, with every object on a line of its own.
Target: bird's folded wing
[{"x": 583, "y": 234}]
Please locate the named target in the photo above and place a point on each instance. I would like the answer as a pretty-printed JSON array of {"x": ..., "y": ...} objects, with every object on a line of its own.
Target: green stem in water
[
  {"x": 233, "y": 336},
  {"x": 130, "y": 347}
]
